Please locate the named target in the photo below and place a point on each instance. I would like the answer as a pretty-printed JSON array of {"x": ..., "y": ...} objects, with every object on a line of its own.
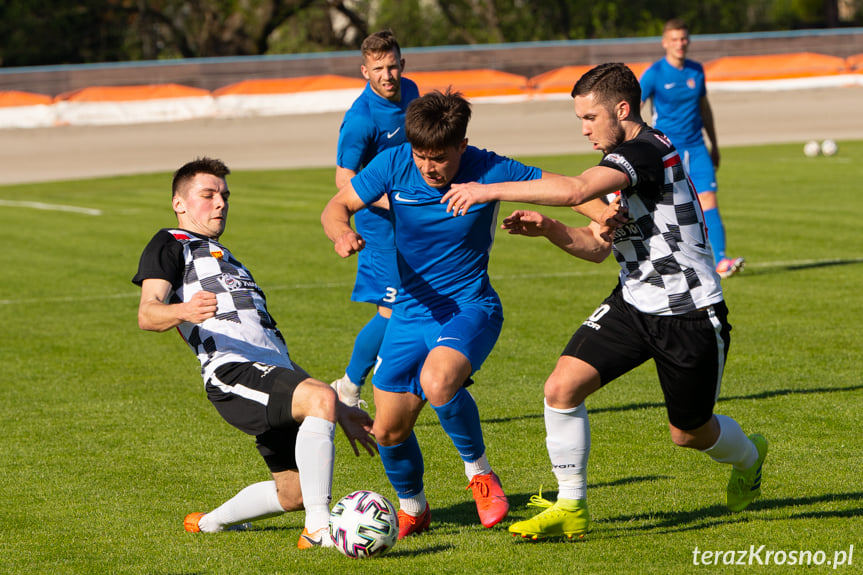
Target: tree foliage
[{"x": 39, "y": 32}]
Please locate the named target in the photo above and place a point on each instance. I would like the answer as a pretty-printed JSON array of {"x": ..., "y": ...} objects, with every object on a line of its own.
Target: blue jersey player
[
  {"x": 374, "y": 123},
  {"x": 446, "y": 317},
  {"x": 681, "y": 110}
]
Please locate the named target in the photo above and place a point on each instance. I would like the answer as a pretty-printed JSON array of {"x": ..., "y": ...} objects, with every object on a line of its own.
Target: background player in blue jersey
[
  {"x": 676, "y": 88},
  {"x": 667, "y": 306},
  {"x": 191, "y": 282},
  {"x": 447, "y": 317},
  {"x": 374, "y": 123}
]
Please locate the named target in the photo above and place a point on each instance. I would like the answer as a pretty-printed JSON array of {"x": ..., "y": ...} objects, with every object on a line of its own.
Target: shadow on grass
[
  {"x": 464, "y": 514},
  {"x": 779, "y": 268},
  {"x": 659, "y": 404},
  {"x": 679, "y": 521}
]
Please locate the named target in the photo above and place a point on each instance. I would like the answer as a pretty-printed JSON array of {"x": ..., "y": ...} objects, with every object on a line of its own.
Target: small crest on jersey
[
  {"x": 233, "y": 283},
  {"x": 662, "y": 138},
  {"x": 218, "y": 254},
  {"x": 690, "y": 83}
]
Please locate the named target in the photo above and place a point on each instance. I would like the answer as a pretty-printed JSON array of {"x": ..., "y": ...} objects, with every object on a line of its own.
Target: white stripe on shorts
[
  {"x": 242, "y": 391},
  {"x": 720, "y": 348}
]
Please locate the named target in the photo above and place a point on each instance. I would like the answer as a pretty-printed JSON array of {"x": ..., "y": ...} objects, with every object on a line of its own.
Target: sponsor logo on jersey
[
  {"x": 233, "y": 283},
  {"x": 623, "y": 163},
  {"x": 628, "y": 231},
  {"x": 669, "y": 86},
  {"x": 391, "y": 134},
  {"x": 400, "y": 198}
]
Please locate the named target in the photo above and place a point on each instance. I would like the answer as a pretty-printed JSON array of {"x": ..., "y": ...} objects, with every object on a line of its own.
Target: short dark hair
[
  {"x": 437, "y": 120},
  {"x": 191, "y": 169},
  {"x": 610, "y": 83},
  {"x": 675, "y": 24},
  {"x": 380, "y": 43}
]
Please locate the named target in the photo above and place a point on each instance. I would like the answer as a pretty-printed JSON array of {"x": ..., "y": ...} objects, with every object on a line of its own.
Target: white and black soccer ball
[
  {"x": 811, "y": 149},
  {"x": 364, "y": 524},
  {"x": 829, "y": 147}
]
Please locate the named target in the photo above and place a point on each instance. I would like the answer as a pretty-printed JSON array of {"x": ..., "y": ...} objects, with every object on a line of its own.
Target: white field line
[
  {"x": 52, "y": 207},
  {"x": 494, "y": 277}
]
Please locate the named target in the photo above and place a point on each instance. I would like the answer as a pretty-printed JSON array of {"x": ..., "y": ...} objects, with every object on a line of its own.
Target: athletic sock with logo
[{"x": 568, "y": 442}]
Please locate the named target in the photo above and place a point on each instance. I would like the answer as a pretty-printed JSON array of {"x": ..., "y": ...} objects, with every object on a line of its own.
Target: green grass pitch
[{"x": 108, "y": 440}]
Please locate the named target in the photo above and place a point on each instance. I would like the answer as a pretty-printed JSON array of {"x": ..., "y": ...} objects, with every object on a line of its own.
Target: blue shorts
[
  {"x": 473, "y": 331},
  {"x": 377, "y": 277},
  {"x": 699, "y": 166}
]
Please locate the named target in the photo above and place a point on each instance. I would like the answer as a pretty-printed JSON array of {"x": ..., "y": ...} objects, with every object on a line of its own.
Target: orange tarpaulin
[
  {"x": 480, "y": 83},
  {"x": 291, "y": 85},
  {"x": 15, "y": 98},
  {"x": 131, "y": 93},
  {"x": 773, "y": 67},
  {"x": 855, "y": 63},
  {"x": 561, "y": 80}
]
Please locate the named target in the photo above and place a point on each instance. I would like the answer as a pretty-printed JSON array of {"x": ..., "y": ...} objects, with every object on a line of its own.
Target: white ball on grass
[
  {"x": 829, "y": 147},
  {"x": 364, "y": 524},
  {"x": 811, "y": 149}
]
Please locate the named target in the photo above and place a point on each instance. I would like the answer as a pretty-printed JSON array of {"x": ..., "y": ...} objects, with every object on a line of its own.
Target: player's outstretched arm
[
  {"x": 336, "y": 220},
  {"x": 357, "y": 425},
  {"x": 155, "y": 314},
  {"x": 584, "y": 242},
  {"x": 551, "y": 190}
]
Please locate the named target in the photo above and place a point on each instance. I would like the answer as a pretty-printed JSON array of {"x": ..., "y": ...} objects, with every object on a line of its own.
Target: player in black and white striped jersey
[
  {"x": 191, "y": 282},
  {"x": 668, "y": 305}
]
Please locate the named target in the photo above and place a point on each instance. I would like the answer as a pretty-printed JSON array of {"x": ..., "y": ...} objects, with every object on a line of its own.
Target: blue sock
[
  {"x": 404, "y": 466},
  {"x": 716, "y": 233},
  {"x": 366, "y": 348},
  {"x": 459, "y": 418}
]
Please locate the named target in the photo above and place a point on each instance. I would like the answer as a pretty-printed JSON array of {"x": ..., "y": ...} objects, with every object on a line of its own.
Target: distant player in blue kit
[
  {"x": 446, "y": 317},
  {"x": 374, "y": 123},
  {"x": 667, "y": 306},
  {"x": 676, "y": 87}
]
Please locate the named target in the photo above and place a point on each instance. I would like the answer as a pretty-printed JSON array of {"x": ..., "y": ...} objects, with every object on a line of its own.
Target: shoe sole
[
  {"x": 736, "y": 268},
  {"x": 542, "y": 537}
]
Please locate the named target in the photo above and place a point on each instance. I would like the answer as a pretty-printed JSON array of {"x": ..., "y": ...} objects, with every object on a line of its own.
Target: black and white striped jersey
[
  {"x": 664, "y": 254},
  {"x": 242, "y": 329}
]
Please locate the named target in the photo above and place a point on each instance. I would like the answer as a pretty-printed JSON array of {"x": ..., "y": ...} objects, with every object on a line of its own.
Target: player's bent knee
[
  {"x": 389, "y": 435},
  {"x": 314, "y": 398}
]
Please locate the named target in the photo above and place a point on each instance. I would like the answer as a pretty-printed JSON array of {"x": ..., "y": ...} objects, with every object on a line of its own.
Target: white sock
[
  {"x": 478, "y": 467},
  {"x": 733, "y": 446},
  {"x": 257, "y": 501},
  {"x": 415, "y": 505},
  {"x": 315, "y": 453},
  {"x": 568, "y": 442}
]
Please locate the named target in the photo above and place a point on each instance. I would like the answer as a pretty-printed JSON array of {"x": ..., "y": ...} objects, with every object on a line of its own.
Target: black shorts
[
  {"x": 256, "y": 399},
  {"x": 689, "y": 351}
]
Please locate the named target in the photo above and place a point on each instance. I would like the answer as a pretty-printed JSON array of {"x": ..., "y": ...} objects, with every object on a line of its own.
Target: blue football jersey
[
  {"x": 676, "y": 100},
  {"x": 371, "y": 125},
  {"x": 443, "y": 260}
]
